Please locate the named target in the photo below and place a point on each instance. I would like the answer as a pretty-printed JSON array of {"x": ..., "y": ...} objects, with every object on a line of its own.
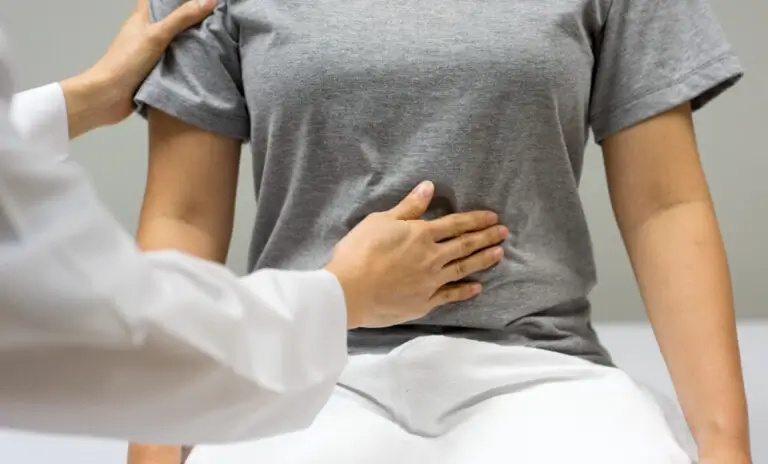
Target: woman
[{"x": 494, "y": 101}]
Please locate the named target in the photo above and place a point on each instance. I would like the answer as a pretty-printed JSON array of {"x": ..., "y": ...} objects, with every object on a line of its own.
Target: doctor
[{"x": 97, "y": 338}]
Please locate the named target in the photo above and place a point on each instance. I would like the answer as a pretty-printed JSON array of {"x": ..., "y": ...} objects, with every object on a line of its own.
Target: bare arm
[
  {"x": 189, "y": 201},
  {"x": 188, "y": 205},
  {"x": 663, "y": 207}
]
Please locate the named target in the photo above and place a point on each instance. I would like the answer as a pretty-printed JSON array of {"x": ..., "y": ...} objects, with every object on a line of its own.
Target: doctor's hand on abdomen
[{"x": 395, "y": 267}]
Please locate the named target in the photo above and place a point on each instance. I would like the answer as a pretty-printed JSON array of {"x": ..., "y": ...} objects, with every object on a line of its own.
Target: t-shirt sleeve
[
  {"x": 199, "y": 79},
  {"x": 653, "y": 55}
]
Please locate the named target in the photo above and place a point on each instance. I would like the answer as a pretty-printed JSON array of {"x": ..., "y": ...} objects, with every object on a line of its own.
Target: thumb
[
  {"x": 415, "y": 204},
  {"x": 185, "y": 16}
]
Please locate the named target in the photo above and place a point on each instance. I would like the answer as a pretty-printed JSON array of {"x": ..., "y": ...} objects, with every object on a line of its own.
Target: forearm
[
  {"x": 153, "y": 454},
  {"x": 157, "y": 234},
  {"x": 157, "y": 454},
  {"x": 680, "y": 263},
  {"x": 163, "y": 233},
  {"x": 188, "y": 205}
]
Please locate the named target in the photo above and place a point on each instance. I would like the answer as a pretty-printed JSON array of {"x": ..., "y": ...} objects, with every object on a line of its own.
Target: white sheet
[{"x": 632, "y": 346}]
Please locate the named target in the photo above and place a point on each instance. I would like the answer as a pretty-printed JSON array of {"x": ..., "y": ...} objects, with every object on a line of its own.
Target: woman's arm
[
  {"x": 189, "y": 202},
  {"x": 666, "y": 217},
  {"x": 188, "y": 205}
]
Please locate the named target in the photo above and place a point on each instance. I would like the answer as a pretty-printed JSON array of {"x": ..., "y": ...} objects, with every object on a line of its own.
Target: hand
[
  {"x": 395, "y": 268},
  {"x": 103, "y": 95}
]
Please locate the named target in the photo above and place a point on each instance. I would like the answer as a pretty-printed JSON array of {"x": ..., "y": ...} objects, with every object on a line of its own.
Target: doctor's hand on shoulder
[
  {"x": 103, "y": 95},
  {"x": 395, "y": 267}
]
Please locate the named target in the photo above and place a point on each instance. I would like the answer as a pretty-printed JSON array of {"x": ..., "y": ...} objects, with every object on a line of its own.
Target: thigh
[
  {"x": 602, "y": 420},
  {"x": 348, "y": 431}
]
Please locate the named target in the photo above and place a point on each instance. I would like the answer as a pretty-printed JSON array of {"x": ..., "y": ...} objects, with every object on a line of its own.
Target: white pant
[{"x": 439, "y": 400}]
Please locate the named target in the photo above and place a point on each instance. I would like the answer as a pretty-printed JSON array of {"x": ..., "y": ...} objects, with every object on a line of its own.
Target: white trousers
[{"x": 439, "y": 400}]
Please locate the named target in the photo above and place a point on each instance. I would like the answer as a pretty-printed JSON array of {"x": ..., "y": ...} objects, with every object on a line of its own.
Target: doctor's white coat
[{"x": 98, "y": 338}]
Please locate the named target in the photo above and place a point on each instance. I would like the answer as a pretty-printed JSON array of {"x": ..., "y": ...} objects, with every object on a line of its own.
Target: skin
[
  {"x": 662, "y": 205},
  {"x": 665, "y": 213}
]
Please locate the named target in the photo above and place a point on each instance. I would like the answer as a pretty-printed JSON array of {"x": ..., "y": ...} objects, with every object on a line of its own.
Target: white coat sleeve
[
  {"x": 100, "y": 339},
  {"x": 39, "y": 116}
]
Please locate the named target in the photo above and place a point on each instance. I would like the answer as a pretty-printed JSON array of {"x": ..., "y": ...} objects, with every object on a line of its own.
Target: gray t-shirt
[{"x": 347, "y": 104}]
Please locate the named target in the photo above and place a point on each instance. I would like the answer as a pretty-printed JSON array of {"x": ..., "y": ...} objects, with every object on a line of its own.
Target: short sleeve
[
  {"x": 199, "y": 79},
  {"x": 653, "y": 55}
]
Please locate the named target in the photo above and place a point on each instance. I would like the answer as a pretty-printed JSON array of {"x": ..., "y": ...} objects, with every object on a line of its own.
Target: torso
[{"x": 353, "y": 103}]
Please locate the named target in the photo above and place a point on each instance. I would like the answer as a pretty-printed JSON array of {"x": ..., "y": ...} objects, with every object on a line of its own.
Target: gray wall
[{"x": 54, "y": 39}]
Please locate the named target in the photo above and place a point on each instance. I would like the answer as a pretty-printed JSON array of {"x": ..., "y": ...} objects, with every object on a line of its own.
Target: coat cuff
[
  {"x": 314, "y": 303},
  {"x": 40, "y": 117}
]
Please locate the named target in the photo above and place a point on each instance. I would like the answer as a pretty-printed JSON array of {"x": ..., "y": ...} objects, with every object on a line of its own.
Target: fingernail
[
  {"x": 492, "y": 218},
  {"x": 503, "y": 232},
  {"x": 425, "y": 189},
  {"x": 206, "y": 3},
  {"x": 498, "y": 253},
  {"x": 476, "y": 288}
]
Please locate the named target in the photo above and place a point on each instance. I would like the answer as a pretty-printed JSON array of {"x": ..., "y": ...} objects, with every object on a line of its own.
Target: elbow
[
  {"x": 635, "y": 217},
  {"x": 183, "y": 233},
  {"x": 191, "y": 186}
]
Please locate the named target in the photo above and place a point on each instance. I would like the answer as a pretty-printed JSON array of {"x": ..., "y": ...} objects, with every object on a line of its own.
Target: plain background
[{"x": 55, "y": 39}]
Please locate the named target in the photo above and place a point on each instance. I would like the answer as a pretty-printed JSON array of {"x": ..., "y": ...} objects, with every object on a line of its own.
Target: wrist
[
  {"x": 89, "y": 102},
  {"x": 736, "y": 448},
  {"x": 724, "y": 456},
  {"x": 353, "y": 298}
]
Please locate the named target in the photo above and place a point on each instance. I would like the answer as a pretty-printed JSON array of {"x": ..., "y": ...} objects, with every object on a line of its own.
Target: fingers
[
  {"x": 415, "y": 204},
  {"x": 185, "y": 16},
  {"x": 465, "y": 267},
  {"x": 453, "y": 293},
  {"x": 457, "y": 224},
  {"x": 467, "y": 244}
]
